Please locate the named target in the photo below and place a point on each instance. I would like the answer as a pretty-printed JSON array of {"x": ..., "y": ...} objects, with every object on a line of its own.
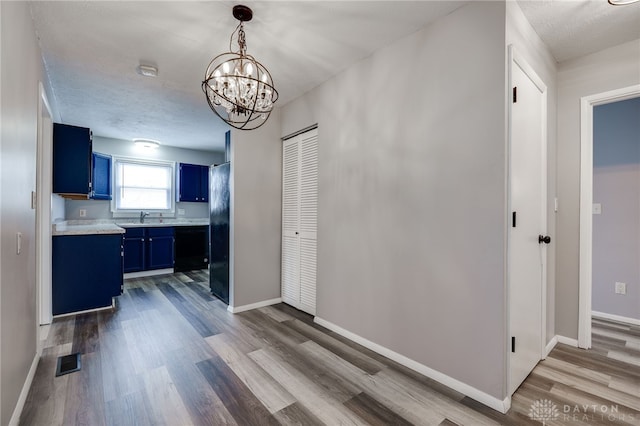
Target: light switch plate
[
  {"x": 621, "y": 288},
  {"x": 180, "y": 212},
  {"x": 18, "y": 242},
  {"x": 597, "y": 208},
  {"x": 83, "y": 212},
  {"x": 33, "y": 200}
]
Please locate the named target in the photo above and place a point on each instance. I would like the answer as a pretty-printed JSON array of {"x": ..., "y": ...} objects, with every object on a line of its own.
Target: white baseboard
[
  {"x": 112, "y": 306},
  {"x": 618, "y": 318},
  {"x": 501, "y": 406},
  {"x": 17, "y": 412},
  {"x": 238, "y": 309},
  {"x": 567, "y": 341},
  {"x": 552, "y": 344},
  {"x": 148, "y": 273}
]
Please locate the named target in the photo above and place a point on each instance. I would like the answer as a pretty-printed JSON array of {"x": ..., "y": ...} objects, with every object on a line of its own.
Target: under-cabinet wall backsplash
[{"x": 101, "y": 209}]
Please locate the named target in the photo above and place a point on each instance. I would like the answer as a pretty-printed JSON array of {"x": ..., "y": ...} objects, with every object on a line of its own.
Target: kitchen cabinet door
[
  {"x": 86, "y": 272},
  {"x": 101, "y": 177},
  {"x": 134, "y": 250},
  {"x": 189, "y": 183},
  {"x": 159, "y": 248},
  {"x": 71, "y": 160},
  {"x": 204, "y": 184}
]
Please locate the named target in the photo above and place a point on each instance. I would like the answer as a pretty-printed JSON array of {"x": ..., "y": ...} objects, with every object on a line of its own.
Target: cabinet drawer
[
  {"x": 166, "y": 231},
  {"x": 134, "y": 233}
]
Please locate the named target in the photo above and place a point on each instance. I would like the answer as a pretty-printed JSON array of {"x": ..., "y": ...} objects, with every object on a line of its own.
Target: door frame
[
  {"x": 514, "y": 57},
  {"x": 44, "y": 155},
  {"x": 586, "y": 202}
]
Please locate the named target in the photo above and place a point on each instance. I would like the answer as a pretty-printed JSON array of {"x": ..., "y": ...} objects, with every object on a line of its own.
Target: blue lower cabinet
[
  {"x": 148, "y": 248},
  {"x": 160, "y": 248},
  {"x": 134, "y": 250},
  {"x": 86, "y": 271}
]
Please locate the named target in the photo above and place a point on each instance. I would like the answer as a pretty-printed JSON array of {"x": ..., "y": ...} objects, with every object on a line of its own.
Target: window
[{"x": 142, "y": 185}]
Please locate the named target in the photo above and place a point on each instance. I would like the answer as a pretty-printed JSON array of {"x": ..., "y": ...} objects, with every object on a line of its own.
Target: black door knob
[{"x": 544, "y": 239}]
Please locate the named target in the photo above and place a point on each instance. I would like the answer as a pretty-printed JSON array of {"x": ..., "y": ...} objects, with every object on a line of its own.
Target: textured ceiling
[
  {"x": 574, "y": 28},
  {"x": 91, "y": 50}
]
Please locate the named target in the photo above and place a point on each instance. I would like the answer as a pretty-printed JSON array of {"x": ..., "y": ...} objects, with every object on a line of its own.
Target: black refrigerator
[{"x": 219, "y": 205}]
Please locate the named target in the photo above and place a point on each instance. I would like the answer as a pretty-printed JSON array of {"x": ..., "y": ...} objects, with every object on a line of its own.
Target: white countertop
[
  {"x": 93, "y": 227},
  {"x": 86, "y": 227}
]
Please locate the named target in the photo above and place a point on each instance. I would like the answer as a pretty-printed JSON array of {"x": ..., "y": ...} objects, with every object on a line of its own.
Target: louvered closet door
[
  {"x": 290, "y": 222},
  {"x": 300, "y": 219}
]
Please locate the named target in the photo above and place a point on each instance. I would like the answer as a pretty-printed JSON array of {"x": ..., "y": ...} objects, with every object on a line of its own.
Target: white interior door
[
  {"x": 527, "y": 256},
  {"x": 299, "y": 220},
  {"x": 308, "y": 219},
  {"x": 290, "y": 222}
]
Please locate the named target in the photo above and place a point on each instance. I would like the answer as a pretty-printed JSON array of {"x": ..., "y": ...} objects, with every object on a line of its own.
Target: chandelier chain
[{"x": 242, "y": 42}]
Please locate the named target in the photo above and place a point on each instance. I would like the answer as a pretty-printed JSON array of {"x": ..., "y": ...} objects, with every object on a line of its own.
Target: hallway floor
[{"x": 171, "y": 354}]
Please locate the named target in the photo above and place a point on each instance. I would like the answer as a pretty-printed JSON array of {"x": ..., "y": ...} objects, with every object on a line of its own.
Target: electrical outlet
[
  {"x": 83, "y": 212},
  {"x": 180, "y": 212},
  {"x": 621, "y": 288}
]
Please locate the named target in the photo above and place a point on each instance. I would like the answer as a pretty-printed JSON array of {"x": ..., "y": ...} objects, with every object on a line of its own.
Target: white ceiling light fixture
[
  {"x": 146, "y": 143},
  {"x": 622, "y": 2},
  {"x": 239, "y": 89},
  {"x": 147, "y": 70}
]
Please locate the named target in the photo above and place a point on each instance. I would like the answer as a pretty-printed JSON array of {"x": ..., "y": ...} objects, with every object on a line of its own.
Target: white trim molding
[
  {"x": 552, "y": 344},
  {"x": 501, "y": 406},
  {"x": 586, "y": 201},
  {"x": 17, "y": 412},
  {"x": 567, "y": 341},
  {"x": 243, "y": 308},
  {"x": 617, "y": 318},
  {"x": 149, "y": 273},
  {"x": 104, "y": 308}
]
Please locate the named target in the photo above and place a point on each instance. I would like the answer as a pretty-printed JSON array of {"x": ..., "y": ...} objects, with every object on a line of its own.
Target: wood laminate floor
[{"x": 170, "y": 354}]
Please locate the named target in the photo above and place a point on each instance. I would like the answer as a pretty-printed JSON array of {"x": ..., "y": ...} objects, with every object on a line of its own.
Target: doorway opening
[
  {"x": 587, "y": 105},
  {"x": 44, "y": 154}
]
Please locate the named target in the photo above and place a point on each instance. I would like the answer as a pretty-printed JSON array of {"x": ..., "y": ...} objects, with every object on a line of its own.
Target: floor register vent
[{"x": 68, "y": 364}]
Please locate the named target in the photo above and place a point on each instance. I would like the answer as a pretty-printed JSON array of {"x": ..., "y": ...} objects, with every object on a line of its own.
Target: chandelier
[{"x": 239, "y": 89}]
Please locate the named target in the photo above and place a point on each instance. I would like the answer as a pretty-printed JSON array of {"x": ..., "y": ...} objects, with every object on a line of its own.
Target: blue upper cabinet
[
  {"x": 204, "y": 184},
  {"x": 101, "y": 177},
  {"x": 71, "y": 160},
  {"x": 189, "y": 182},
  {"x": 193, "y": 183}
]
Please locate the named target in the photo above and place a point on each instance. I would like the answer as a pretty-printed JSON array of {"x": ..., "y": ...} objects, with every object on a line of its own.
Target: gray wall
[
  {"x": 412, "y": 196},
  {"x": 21, "y": 69},
  {"x": 600, "y": 72},
  {"x": 528, "y": 44},
  {"x": 616, "y": 186},
  {"x": 256, "y": 206},
  {"x": 101, "y": 209}
]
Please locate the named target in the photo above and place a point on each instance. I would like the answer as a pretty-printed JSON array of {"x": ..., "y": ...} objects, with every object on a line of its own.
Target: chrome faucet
[{"x": 143, "y": 215}]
